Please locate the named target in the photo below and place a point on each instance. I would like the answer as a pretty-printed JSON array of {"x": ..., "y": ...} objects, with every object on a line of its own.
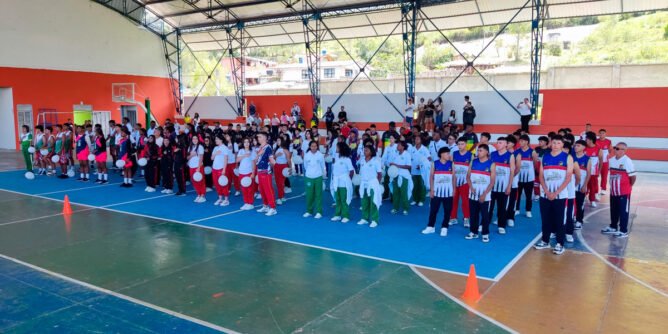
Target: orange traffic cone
[
  {"x": 67, "y": 209},
  {"x": 471, "y": 293}
]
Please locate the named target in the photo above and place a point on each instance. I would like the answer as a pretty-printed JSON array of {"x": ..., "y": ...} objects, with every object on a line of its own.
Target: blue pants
[{"x": 619, "y": 212}]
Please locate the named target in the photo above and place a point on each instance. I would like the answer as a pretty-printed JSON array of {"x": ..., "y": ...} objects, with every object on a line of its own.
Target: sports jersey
[
  {"x": 527, "y": 172},
  {"x": 554, "y": 173},
  {"x": 620, "y": 172},
  {"x": 582, "y": 163},
  {"x": 502, "y": 166},
  {"x": 26, "y": 140},
  {"x": 59, "y": 143},
  {"x": 443, "y": 173},
  {"x": 604, "y": 145},
  {"x": 462, "y": 163},
  {"x": 481, "y": 174},
  {"x": 592, "y": 153},
  {"x": 39, "y": 141},
  {"x": 124, "y": 148},
  {"x": 516, "y": 175},
  {"x": 81, "y": 144},
  {"x": 263, "y": 164}
]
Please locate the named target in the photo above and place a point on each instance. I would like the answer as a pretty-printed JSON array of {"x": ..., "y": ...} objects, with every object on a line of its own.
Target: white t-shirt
[
  {"x": 342, "y": 166},
  {"x": 434, "y": 146},
  {"x": 231, "y": 156},
  {"x": 369, "y": 169},
  {"x": 524, "y": 109},
  {"x": 314, "y": 164},
  {"x": 281, "y": 156},
  {"x": 194, "y": 161},
  {"x": 245, "y": 159},
  {"x": 219, "y": 153}
]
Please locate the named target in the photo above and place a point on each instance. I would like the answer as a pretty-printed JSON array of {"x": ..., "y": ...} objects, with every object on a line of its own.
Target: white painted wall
[
  {"x": 76, "y": 35},
  {"x": 8, "y": 135}
]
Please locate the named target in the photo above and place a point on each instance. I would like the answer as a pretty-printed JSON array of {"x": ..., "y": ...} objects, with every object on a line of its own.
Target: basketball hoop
[{"x": 123, "y": 92}]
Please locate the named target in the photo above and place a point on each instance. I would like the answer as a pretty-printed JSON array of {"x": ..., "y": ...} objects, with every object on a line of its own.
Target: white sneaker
[
  {"x": 317, "y": 216},
  {"x": 146, "y": 189},
  {"x": 602, "y": 192},
  {"x": 511, "y": 223},
  {"x": 362, "y": 222},
  {"x": 393, "y": 211},
  {"x": 485, "y": 238},
  {"x": 569, "y": 238},
  {"x": 237, "y": 193},
  {"x": 224, "y": 203},
  {"x": 164, "y": 191},
  {"x": 202, "y": 199},
  {"x": 517, "y": 212},
  {"x": 496, "y": 222},
  {"x": 413, "y": 203},
  {"x": 217, "y": 202},
  {"x": 150, "y": 189},
  {"x": 553, "y": 236},
  {"x": 529, "y": 215},
  {"x": 247, "y": 207},
  {"x": 306, "y": 215},
  {"x": 502, "y": 230},
  {"x": 258, "y": 196},
  {"x": 335, "y": 218},
  {"x": 373, "y": 224},
  {"x": 593, "y": 204},
  {"x": 271, "y": 212},
  {"x": 405, "y": 213},
  {"x": 467, "y": 222},
  {"x": 196, "y": 199},
  {"x": 420, "y": 204},
  {"x": 345, "y": 220},
  {"x": 288, "y": 190},
  {"x": 453, "y": 222},
  {"x": 428, "y": 230},
  {"x": 263, "y": 209},
  {"x": 279, "y": 202},
  {"x": 208, "y": 189}
]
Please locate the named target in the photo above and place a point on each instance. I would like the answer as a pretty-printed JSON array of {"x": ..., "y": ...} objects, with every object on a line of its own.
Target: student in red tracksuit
[
  {"x": 245, "y": 158},
  {"x": 604, "y": 144},
  {"x": 233, "y": 148},
  {"x": 283, "y": 158},
  {"x": 219, "y": 166},
  {"x": 461, "y": 161},
  {"x": 195, "y": 160},
  {"x": 595, "y": 155},
  {"x": 265, "y": 161}
]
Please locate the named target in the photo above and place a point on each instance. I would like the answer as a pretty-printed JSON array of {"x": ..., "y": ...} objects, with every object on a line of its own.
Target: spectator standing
[
  {"x": 622, "y": 178},
  {"x": 438, "y": 112},
  {"x": 329, "y": 118},
  {"x": 296, "y": 112},
  {"x": 524, "y": 108},
  {"x": 343, "y": 115},
  {"x": 408, "y": 111},
  {"x": 469, "y": 112}
]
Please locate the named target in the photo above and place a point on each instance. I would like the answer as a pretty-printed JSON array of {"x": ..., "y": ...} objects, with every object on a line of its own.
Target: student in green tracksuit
[
  {"x": 26, "y": 142},
  {"x": 371, "y": 191},
  {"x": 314, "y": 169},
  {"x": 402, "y": 185},
  {"x": 341, "y": 185}
]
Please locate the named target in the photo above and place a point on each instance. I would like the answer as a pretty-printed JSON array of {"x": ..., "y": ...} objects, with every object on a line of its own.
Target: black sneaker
[
  {"x": 180, "y": 194},
  {"x": 84, "y": 179},
  {"x": 471, "y": 235},
  {"x": 622, "y": 235},
  {"x": 609, "y": 230},
  {"x": 541, "y": 245},
  {"x": 558, "y": 249},
  {"x": 104, "y": 182},
  {"x": 79, "y": 179},
  {"x": 98, "y": 181},
  {"x": 63, "y": 176}
]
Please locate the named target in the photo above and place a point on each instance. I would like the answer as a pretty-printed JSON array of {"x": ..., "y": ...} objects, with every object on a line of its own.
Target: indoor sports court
[{"x": 80, "y": 257}]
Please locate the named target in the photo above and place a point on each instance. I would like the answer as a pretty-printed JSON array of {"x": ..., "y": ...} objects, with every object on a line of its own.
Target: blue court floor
[{"x": 396, "y": 239}]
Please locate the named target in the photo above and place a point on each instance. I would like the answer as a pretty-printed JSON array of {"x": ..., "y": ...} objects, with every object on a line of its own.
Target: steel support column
[
  {"x": 409, "y": 13},
  {"x": 537, "y": 21},
  {"x": 313, "y": 36},
  {"x": 172, "y": 46},
  {"x": 236, "y": 51}
]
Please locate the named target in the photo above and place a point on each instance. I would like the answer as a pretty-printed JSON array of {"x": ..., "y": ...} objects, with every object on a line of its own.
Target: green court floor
[{"x": 243, "y": 283}]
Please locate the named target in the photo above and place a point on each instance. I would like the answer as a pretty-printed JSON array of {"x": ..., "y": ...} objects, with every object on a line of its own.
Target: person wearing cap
[{"x": 622, "y": 179}]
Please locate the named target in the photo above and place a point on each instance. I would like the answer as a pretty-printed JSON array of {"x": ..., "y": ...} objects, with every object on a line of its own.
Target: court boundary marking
[
  {"x": 461, "y": 303},
  {"x": 121, "y": 296},
  {"x": 107, "y": 208},
  {"x": 610, "y": 264}
]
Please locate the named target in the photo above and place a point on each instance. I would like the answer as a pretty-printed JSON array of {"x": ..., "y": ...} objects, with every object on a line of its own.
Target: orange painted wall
[{"x": 60, "y": 90}]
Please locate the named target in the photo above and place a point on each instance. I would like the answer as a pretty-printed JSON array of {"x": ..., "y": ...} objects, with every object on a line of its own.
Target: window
[
  {"x": 304, "y": 74},
  {"x": 349, "y": 73},
  {"x": 329, "y": 72}
]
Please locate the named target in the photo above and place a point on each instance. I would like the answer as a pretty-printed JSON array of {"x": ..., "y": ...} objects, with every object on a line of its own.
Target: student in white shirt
[
  {"x": 341, "y": 185},
  {"x": 370, "y": 188},
  {"x": 420, "y": 162},
  {"x": 244, "y": 159},
  {"x": 402, "y": 185},
  {"x": 283, "y": 158},
  {"x": 219, "y": 155},
  {"x": 314, "y": 169},
  {"x": 195, "y": 160}
]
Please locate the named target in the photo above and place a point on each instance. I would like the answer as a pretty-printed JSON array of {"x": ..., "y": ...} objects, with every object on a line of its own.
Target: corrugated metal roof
[{"x": 270, "y": 23}]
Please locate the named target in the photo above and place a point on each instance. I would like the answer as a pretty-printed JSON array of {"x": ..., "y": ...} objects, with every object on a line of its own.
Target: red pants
[
  {"x": 463, "y": 193},
  {"x": 280, "y": 179},
  {"x": 592, "y": 188},
  {"x": 248, "y": 193},
  {"x": 229, "y": 172},
  {"x": 604, "y": 175},
  {"x": 220, "y": 190},
  {"x": 200, "y": 187},
  {"x": 266, "y": 189}
]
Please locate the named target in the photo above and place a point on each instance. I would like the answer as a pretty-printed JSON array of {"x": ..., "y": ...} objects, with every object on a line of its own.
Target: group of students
[{"x": 403, "y": 165}]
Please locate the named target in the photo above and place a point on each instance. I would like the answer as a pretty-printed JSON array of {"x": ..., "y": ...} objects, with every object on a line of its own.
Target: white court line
[
  {"x": 77, "y": 189},
  {"x": 42, "y": 217},
  {"x": 257, "y": 236},
  {"x": 517, "y": 257},
  {"x": 623, "y": 272},
  {"x": 236, "y": 211},
  {"x": 463, "y": 304},
  {"x": 121, "y": 296}
]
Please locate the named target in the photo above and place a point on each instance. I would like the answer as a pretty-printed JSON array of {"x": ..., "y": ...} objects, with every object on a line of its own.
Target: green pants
[
  {"x": 419, "y": 190},
  {"x": 400, "y": 195},
  {"x": 369, "y": 209},
  {"x": 342, "y": 209},
  {"x": 314, "y": 195},
  {"x": 28, "y": 159}
]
